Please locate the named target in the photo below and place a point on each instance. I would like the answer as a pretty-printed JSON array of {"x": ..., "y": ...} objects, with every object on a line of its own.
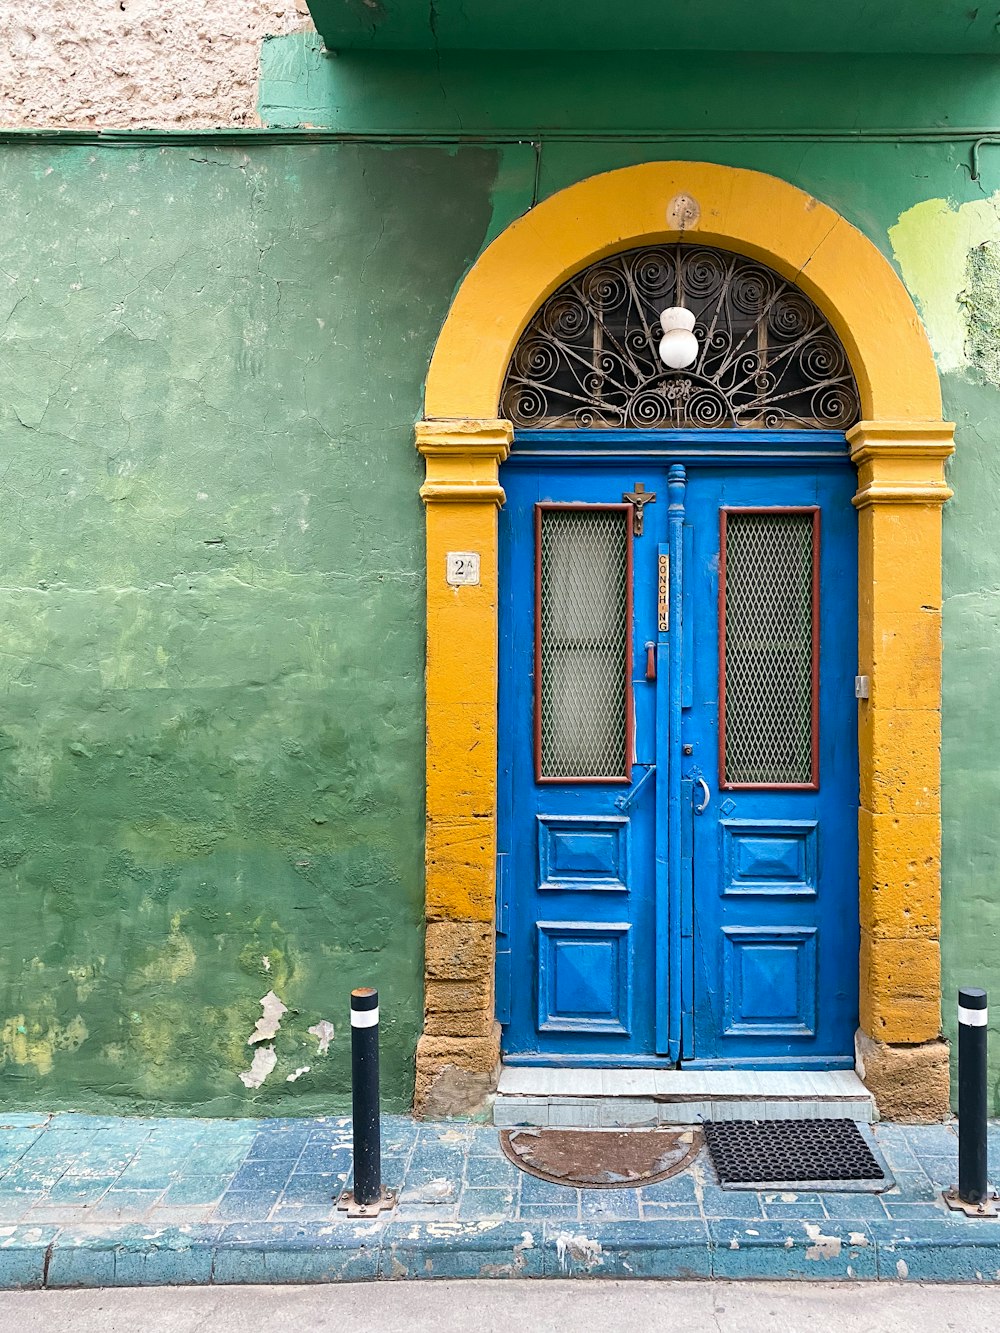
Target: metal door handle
[
  {"x": 700, "y": 809},
  {"x": 650, "y": 661}
]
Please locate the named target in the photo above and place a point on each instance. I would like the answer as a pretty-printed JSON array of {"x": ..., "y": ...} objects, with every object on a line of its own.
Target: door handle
[
  {"x": 650, "y": 661},
  {"x": 700, "y": 809}
]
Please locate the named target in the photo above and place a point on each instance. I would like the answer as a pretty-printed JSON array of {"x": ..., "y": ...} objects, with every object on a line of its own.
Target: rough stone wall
[{"x": 116, "y": 64}]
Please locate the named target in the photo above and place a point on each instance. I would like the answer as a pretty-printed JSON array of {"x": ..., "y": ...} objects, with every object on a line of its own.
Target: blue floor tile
[
  {"x": 76, "y": 1190},
  {"x": 264, "y": 1175},
  {"x": 486, "y": 1171},
  {"x": 313, "y": 1188},
  {"x": 609, "y": 1205},
  {"x": 14, "y": 1143},
  {"x": 133, "y": 1202},
  {"x": 913, "y": 1186},
  {"x": 484, "y": 1141},
  {"x": 487, "y": 1203},
  {"x": 665, "y": 1211},
  {"x": 718, "y": 1202},
  {"x": 542, "y": 1211},
  {"x": 197, "y": 1190},
  {"x": 534, "y": 1190},
  {"x": 279, "y": 1145},
  {"x": 806, "y": 1207},
  {"x": 675, "y": 1189},
  {"x": 320, "y": 1157},
  {"x": 902, "y": 1210},
  {"x": 855, "y": 1206},
  {"x": 246, "y": 1205}
]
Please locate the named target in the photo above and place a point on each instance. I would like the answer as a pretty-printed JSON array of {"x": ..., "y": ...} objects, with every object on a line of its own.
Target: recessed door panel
[
  {"x": 583, "y": 853},
  {"x": 584, "y": 978}
]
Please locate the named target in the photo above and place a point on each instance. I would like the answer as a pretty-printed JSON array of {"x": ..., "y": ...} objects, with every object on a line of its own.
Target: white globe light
[
  {"x": 677, "y": 317},
  {"x": 678, "y": 349}
]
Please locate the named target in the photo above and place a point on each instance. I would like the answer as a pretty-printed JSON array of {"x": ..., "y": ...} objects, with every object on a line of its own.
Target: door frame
[{"x": 900, "y": 448}]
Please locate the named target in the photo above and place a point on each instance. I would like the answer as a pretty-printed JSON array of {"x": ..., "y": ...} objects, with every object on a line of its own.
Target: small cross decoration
[{"x": 639, "y": 499}]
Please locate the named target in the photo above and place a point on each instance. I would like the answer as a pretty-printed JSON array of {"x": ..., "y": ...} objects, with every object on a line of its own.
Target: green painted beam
[{"x": 946, "y": 26}]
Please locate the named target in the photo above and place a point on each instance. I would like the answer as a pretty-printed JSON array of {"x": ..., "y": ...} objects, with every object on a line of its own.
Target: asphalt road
[{"x": 508, "y": 1307}]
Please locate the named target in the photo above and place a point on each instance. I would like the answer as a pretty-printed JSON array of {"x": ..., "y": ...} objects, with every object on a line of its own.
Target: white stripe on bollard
[
  {"x": 364, "y": 1018},
  {"x": 973, "y": 1018}
]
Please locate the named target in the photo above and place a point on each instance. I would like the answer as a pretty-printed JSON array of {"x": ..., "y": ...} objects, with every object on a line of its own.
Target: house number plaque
[{"x": 463, "y": 568}]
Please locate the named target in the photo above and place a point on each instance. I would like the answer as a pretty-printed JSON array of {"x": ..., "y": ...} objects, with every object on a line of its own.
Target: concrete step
[{"x": 594, "y": 1098}]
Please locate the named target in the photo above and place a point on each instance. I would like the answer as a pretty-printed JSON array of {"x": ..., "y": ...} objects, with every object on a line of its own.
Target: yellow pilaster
[
  {"x": 461, "y": 494},
  {"x": 901, "y": 489}
]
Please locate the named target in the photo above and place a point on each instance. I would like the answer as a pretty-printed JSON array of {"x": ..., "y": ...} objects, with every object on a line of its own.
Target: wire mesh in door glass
[
  {"x": 769, "y": 648},
  {"x": 583, "y": 620}
]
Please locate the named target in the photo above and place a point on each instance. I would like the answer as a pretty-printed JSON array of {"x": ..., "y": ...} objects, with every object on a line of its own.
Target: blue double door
[{"x": 677, "y": 869}]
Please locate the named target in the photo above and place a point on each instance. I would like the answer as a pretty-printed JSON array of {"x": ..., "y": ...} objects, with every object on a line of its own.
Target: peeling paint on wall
[
  {"x": 269, "y": 1021},
  {"x": 933, "y": 243},
  {"x": 264, "y": 1060},
  {"x": 323, "y": 1032},
  {"x": 981, "y": 302}
]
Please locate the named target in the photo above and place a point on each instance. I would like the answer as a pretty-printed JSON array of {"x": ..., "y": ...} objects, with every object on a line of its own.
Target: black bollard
[
  {"x": 972, "y": 1185},
  {"x": 364, "y": 1088},
  {"x": 368, "y": 1197}
]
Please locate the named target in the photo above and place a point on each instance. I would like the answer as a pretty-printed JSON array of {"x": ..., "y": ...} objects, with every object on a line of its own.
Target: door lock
[{"x": 687, "y": 749}]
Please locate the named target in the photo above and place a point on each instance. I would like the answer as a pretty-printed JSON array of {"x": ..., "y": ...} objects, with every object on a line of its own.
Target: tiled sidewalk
[{"x": 90, "y": 1200}]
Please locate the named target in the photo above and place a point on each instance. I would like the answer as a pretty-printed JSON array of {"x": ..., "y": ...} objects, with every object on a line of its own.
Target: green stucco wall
[
  {"x": 211, "y": 662},
  {"x": 211, "y": 735}
]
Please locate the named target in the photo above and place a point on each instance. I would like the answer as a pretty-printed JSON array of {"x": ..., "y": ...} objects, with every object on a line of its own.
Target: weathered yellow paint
[
  {"x": 901, "y": 488},
  {"x": 900, "y": 862},
  {"x": 900, "y": 452},
  {"x": 36, "y": 1043}
]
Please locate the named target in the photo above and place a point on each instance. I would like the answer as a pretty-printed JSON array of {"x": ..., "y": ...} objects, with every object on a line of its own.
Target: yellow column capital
[
  {"x": 463, "y": 456},
  {"x": 901, "y": 462}
]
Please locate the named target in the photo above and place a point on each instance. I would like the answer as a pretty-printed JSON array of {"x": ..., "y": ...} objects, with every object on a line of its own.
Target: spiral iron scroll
[{"x": 767, "y": 359}]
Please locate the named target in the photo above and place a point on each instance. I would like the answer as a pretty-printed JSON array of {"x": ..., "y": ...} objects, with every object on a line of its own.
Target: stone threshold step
[{"x": 589, "y": 1098}]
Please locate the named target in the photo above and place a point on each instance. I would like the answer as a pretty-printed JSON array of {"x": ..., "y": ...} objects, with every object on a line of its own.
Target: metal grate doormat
[{"x": 828, "y": 1154}]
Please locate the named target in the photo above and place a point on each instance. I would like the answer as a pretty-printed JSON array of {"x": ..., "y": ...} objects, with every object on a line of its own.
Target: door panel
[
  {"x": 773, "y": 733},
  {"x": 577, "y": 717}
]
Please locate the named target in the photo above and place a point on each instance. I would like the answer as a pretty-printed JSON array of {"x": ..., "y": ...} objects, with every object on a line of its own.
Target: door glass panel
[
  {"x": 769, "y": 648},
  {"x": 583, "y": 635}
]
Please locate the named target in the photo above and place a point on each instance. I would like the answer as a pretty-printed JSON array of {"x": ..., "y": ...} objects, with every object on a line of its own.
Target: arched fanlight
[{"x": 680, "y": 336}]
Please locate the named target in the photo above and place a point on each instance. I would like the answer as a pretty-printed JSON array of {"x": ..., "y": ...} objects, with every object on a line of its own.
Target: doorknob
[
  {"x": 650, "y": 661},
  {"x": 700, "y": 809}
]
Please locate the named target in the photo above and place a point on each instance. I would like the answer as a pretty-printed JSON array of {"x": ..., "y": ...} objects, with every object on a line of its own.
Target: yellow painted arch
[{"x": 756, "y": 215}]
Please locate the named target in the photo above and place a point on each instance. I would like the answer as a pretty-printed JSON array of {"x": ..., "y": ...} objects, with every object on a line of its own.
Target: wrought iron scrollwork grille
[{"x": 767, "y": 357}]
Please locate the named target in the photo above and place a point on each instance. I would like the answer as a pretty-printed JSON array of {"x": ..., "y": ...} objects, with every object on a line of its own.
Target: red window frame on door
[
  {"x": 548, "y": 506},
  {"x": 762, "y": 511}
]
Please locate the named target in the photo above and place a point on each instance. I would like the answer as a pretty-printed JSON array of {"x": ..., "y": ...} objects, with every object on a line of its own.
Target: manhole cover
[
  {"x": 601, "y": 1158},
  {"x": 773, "y": 1152}
]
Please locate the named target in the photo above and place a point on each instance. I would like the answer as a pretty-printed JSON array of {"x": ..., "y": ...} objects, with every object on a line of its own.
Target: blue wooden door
[
  {"x": 578, "y": 973},
  {"x": 771, "y": 585},
  {"x": 678, "y": 767}
]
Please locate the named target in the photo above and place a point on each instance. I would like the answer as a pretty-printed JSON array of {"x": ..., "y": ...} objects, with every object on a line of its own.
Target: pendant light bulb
[{"x": 678, "y": 346}]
